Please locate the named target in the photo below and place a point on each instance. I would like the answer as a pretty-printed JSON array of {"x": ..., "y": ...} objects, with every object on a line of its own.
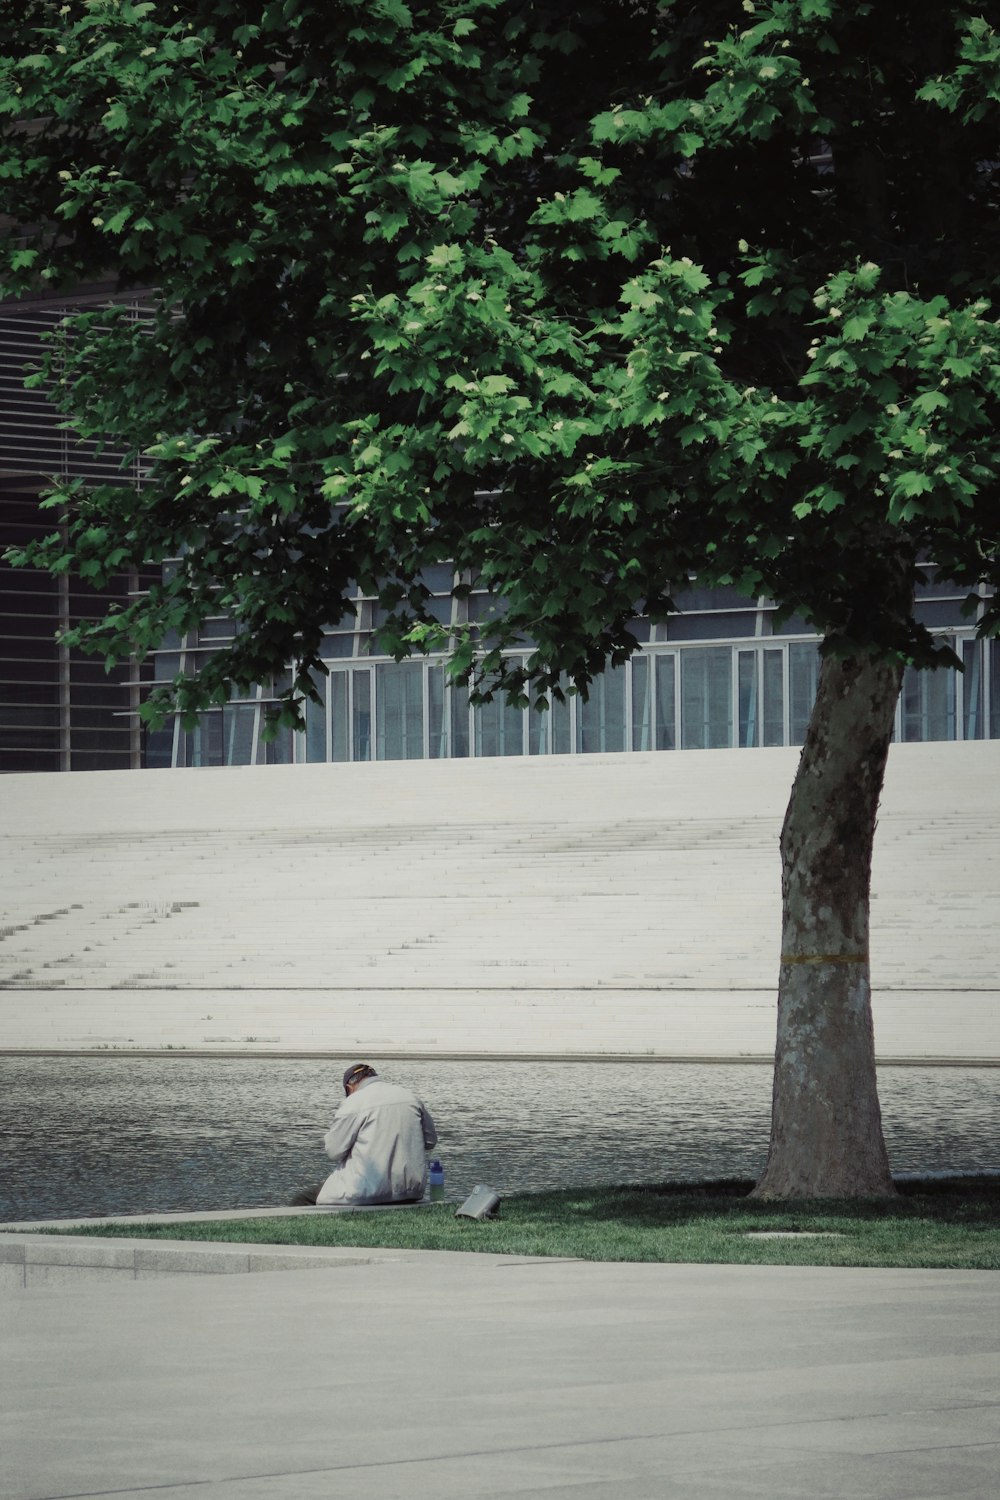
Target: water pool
[{"x": 116, "y": 1134}]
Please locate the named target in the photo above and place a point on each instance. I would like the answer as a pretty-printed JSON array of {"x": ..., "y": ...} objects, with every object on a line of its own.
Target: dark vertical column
[
  {"x": 30, "y": 678},
  {"x": 62, "y": 651}
]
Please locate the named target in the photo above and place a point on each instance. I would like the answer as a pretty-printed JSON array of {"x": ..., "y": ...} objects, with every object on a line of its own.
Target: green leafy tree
[{"x": 580, "y": 298}]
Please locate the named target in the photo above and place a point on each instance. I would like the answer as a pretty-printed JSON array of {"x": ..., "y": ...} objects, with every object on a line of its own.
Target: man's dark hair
[{"x": 356, "y": 1073}]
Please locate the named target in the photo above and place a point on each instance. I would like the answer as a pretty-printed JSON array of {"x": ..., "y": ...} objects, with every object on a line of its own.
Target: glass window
[
  {"x": 158, "y": 748},
  {"x": 539, "y": 725},
  {"x": 98, "y": 760},
  {"x": 344, "y": 624},
  {"x": 166, "y": 665},
  {"x": 107, "y": 695},
  {"x": 749, "y": 728},
  {"x": 334, "y": 646},
  {"x": 803, "y": 679},
  {"x": 499, "y": 728},
  {"x": 666, "y": 711},
  {"x": 941, "y": 612},
  {"x": 31, "y": 582},
  {"x": 30, "y": 739},
  {"x": 26, "y": 671},
  {"x": 29, "y": 626},
  {"x": 487, "y": 607},
  {"x": 216, "y": 630},
  {"x": 459, "y": 715},
  {"x": 973, "y": 725},
  {"x": 21, "y": 758},
  {"x": 26, "y": 649},
  {"x": 932, "y": 586},
  {"x": 98, "y": 739},
  {"x": 203, "y": 743},
  {"x": 438, "y": 577},
  {"x": 773, "y": 717},
  {"x": 16, "y": 597},
  {"x": 642, "y": 703},
  {"x": 276, "y": 752},
  {"x": 707, "y": 699},
  {"x": 340, "y": 719},
  {"x": 30, "y": 692},
  {"x": 399, "y": 711},
  {"x": 709, "y": 598},
  {"x": 36, "y": 716},
  {"x": 794, "y": 625},
  {"x": 560, "y": 732},
  {"x": 600, "y": 721},
  {"x": 711, "y": 627},
  {"x": 437, "y": 738},
  {"x": 237, "y": 733},
  {"x": 315, "y": 727},
  {"x": 992, "y": 650},
  {"x": 361, "y": 685},
  {"x": 439, "y": 609},
  {"x": 928, "y": 704}
]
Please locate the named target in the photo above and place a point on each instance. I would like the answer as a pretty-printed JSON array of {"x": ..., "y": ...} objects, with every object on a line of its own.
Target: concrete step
[{"x": 618, "y": 876}]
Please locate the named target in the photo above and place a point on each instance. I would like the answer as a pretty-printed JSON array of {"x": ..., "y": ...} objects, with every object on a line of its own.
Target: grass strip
[{"x": 931, "y": 1224}]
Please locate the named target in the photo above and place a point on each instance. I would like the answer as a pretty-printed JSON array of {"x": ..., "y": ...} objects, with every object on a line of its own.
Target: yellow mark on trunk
[{"x": 824, "y": 958}]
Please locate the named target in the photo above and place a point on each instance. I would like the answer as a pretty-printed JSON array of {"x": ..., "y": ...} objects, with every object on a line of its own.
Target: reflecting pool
[{"x": 104, "y": 1135}]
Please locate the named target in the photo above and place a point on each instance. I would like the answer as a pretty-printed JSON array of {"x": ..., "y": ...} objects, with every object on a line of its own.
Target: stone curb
[
  {"x": 208, "y": 1215},
  {"x": 39, "y": 1259}
]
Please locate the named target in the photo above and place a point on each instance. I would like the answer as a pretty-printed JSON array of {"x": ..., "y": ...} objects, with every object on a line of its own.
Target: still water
[{"x": 108, "y": 1135}]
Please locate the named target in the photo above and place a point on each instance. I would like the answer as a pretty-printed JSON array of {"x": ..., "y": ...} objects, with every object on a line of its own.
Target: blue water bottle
[{"x": 435, "y": 1181}]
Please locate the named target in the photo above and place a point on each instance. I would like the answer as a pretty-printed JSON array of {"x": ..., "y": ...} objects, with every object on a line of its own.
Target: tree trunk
[{"x": 826, "y": 1125}]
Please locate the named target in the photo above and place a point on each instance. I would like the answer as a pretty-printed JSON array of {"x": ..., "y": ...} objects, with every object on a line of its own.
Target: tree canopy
[{"x": 580, "y": 298}]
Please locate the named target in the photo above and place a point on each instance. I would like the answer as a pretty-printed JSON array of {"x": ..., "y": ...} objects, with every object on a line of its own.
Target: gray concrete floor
[{"x": 430, "y": 1376}]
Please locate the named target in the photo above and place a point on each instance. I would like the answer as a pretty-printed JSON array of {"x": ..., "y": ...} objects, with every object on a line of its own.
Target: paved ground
[{"x": 430, "y": 1376}]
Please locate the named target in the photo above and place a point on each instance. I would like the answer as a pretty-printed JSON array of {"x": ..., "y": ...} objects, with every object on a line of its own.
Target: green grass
[{"x": 950, "y": 1224}]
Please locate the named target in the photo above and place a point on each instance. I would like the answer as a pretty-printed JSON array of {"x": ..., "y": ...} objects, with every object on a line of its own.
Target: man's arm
[
  {"x": 339, "y": 1139},
  {"x": 428, "y": 1127}
]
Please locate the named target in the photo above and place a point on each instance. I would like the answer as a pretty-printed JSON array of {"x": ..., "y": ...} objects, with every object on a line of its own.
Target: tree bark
[{"x": 826, "y": 1124}]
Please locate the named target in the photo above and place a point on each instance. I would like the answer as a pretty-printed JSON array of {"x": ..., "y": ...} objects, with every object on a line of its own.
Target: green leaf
[
  {"x": 857, "y": 327},
  {"x": 688, "y": 142},
  {"x": 931, "y": 401},
  {"x": 391, "y": 223},
  {"x": 583, "y": 204},
  {"x": 394, "y": 10},
  {"x": 912, "y": 482},
  {"x": 443, "y": 256}
]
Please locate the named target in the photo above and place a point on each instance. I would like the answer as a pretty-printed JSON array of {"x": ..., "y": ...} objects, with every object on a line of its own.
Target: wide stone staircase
[{"x": 623, "y": 905}]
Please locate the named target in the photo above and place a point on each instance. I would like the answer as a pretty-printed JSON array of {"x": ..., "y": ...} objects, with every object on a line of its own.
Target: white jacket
[{"x": 378, "y": 1141}]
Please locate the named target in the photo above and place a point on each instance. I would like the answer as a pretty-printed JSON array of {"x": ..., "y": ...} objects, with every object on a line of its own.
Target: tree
[{"x": 432, "y": 285}]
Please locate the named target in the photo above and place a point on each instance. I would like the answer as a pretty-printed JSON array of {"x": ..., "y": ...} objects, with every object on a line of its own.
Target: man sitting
[{"x": 378, "y": 1142}]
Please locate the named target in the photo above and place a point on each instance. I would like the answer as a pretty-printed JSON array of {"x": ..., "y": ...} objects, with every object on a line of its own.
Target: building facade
[
  {"x": 722, "y": 673},
  {"x": 59, "y": 709}
]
